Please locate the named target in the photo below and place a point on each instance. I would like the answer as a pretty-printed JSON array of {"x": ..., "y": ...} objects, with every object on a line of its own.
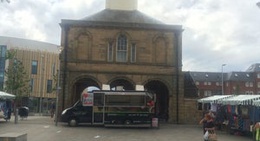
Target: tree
[{"x": 17, "y": 81}]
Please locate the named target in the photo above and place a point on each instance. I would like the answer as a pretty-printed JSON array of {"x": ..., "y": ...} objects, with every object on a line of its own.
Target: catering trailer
[{"x": 113, "y": 108}]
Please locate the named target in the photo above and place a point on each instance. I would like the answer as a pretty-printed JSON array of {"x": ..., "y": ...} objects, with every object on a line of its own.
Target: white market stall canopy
[
  {"x": 256, "y": 103},
  {"x": 240, "y": 100},
  {"x": 4, "y": 95},
  {"x": 214, "y": 98}
]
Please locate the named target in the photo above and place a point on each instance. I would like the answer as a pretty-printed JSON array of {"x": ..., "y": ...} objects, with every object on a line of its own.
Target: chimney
[{"x": 121, "y": 4}]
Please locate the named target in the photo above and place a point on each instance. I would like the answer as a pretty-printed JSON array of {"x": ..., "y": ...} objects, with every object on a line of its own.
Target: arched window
[{"x": 121, "y": 52}]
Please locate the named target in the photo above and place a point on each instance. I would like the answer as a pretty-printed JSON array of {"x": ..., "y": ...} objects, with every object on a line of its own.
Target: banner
[{"x": 87, "y": 99}]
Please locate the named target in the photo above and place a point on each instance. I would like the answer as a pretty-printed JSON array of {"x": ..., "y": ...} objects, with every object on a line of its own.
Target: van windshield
[{"x": 78, "y": 103}]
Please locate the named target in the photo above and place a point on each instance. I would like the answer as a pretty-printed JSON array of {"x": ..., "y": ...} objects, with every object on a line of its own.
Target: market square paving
[{"x": 42, "y": 128}]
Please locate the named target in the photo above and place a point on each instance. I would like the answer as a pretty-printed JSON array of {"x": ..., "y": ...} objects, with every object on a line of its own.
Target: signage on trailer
[{"x": 87, "y": 99}]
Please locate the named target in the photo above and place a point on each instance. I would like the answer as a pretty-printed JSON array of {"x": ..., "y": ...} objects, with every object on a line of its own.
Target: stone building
[{"x": 120, "y": 46}]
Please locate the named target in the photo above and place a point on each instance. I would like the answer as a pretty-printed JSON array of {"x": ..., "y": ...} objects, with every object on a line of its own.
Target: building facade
[
  {"x": 41, "y": 62},
  {"x": 121, "y": 46},
  {"x": 203, "y": 84}
]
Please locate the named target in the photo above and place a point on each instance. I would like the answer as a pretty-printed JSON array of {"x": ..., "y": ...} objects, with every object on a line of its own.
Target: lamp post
[
  {"x": 222, "y": 79},
  {"x": 58, "y": 90},
  {"x": 42, "y": 85}
]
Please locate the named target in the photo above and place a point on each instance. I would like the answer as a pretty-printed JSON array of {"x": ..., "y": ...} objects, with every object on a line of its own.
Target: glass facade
[{"x": 2, "y": 65}]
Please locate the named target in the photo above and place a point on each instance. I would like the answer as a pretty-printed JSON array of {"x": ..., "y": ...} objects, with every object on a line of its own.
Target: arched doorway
[
  {"x": 126, "y": 85},
  {"x": 162, "y": 98},
  {"x": 81, "y": 85}
]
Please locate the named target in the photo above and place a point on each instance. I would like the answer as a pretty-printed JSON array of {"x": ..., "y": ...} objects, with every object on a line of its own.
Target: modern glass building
[{"x": 2, "y": 65}]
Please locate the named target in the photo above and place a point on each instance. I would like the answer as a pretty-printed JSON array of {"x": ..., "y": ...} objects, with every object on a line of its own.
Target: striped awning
[
  {"x": 240, "y": 100},
  {"x": 214, "y": 98},
  {"x": 256, "y": 103}
]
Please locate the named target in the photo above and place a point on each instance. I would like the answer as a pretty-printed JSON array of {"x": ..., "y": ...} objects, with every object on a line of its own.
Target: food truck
[{"x": 113, "y": 108}]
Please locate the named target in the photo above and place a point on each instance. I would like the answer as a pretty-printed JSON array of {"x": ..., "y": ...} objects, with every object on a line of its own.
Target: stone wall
[{"x": 192, "y": 115}]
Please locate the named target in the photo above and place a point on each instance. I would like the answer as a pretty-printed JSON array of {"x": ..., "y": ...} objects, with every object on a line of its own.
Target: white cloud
[{"x": 215, "y": 32}]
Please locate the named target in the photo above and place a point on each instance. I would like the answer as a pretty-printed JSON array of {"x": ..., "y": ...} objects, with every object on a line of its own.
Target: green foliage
[
  {"x": 17, "y": 79},
  {"x": 55, "y": 79}
]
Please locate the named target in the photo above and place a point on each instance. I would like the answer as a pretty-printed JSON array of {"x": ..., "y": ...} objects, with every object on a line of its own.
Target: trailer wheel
[{"x": 73, "y": 122}]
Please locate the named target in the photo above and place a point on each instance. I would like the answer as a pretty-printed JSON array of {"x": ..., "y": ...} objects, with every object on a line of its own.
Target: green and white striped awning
[
  {"x": 240, "y": 100},
  {"x": 214, "y": 98}
]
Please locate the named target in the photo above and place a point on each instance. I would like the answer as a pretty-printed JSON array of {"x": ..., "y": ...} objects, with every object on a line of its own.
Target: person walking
[{"x": 257, "y": 131}]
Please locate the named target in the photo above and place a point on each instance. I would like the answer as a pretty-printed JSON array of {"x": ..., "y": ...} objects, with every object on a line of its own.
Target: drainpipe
[
  {"x": 66, "y": 28},
  {"x": 178, "y": 68},
  {"x": 177, "y": 76}
]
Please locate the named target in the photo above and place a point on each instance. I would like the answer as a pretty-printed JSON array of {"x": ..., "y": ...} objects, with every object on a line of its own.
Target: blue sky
[{"x": 215, "y": 32}]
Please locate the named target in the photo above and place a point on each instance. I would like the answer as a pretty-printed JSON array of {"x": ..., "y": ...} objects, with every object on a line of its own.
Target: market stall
[
  {"x": 6, "y": 96},
  {"x": 241, "y": 112},
  {"x": 212, "y": 103},
  {"x": 6, "y": 105}
]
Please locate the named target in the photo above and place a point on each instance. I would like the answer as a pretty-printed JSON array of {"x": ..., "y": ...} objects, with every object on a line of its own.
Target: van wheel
[
  {"x": 73, "y": 122},
  {"x": 128, "y": 122}
]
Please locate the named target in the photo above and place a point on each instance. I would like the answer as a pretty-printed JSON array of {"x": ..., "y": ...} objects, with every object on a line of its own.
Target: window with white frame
[
  {"x": 121, "y": 55},
  {"x": 217, "y": 84},
  {"x": 207, "y": 93},
  {"x": 258, "y": 75},
  {"x": 258, "y": 84},
  {"x": 247, "y": 84},
  {"x": 197, "y": 83},
  {"x": 251, "y": 84}
]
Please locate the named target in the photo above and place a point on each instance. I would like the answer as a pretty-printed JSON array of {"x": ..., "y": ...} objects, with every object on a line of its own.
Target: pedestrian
[
  {"x": 52, "y": 110},
  {"x": 203, "y": 122},
  {"x": 208, "y": 126},
  {"x": 257, "y": 131}
]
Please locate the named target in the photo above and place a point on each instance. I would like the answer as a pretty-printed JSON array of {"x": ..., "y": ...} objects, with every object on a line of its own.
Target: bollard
[{"x": 16, "y": 116}]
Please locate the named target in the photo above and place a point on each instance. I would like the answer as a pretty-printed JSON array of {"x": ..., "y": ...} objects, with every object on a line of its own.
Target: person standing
[
  {"x": 52, "y": 110},
  {"x": 257, "y": 131},
  {"x": 208, "y": 124}
]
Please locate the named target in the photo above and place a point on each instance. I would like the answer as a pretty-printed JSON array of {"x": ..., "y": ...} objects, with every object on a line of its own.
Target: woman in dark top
[{"x": 208, "y": 124}]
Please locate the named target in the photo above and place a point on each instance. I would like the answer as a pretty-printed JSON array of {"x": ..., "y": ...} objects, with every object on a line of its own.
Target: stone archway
[
  {"x": 126, "y": 84},
  {"x": 80, "y": 85},
  {"x": 162, "y": 98}
]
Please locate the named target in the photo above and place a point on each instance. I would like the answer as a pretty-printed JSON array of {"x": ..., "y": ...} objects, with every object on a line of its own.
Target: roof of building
[
  {"x": 217, "y": 76},
  {"x": 206, "y": 76},
  {"x": 239, "y": 76},
  {"x": 12, "y": 43},
  {"x": 254, "y": 68},
  {"x": 122, "y": 16},
  {"x": 123, "y": 19}
]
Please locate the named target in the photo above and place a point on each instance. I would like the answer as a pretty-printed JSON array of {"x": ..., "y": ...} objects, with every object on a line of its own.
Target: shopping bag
[
  {"x": 212, "y": 136},
  {"x": 206, "y": 135}
]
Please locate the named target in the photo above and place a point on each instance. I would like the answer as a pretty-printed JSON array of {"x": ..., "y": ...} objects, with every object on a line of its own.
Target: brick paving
[{"x": 42, "y": 128}]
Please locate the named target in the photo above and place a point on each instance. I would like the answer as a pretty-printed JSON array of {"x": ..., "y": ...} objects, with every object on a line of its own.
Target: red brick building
[{"x": 203, "y": 84}]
